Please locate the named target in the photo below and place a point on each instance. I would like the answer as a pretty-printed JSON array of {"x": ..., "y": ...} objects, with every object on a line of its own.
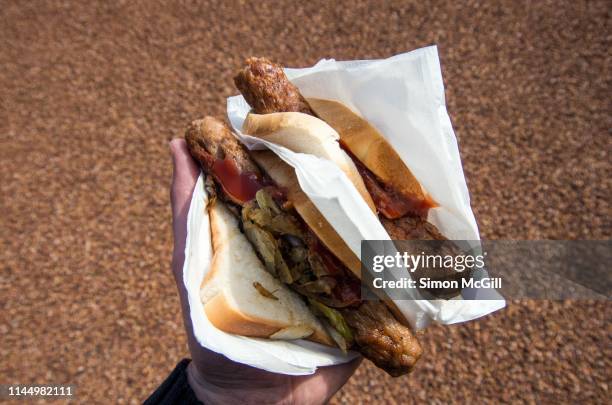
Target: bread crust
[
  {"x": 369, "y": 146},
  {"x": 303, "y": 133},
  {"x": 223, "y": 316}
]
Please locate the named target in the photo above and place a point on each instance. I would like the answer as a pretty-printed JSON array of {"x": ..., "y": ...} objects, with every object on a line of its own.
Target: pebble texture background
[{"x": 90, "y": 94}]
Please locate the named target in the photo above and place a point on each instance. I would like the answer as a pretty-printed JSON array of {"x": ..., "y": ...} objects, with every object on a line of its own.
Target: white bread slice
[
  {"x": 304, "y": 133},
  {"x": 232, "y": 302},
  {"x": 284, "y": 176},
  {"x": 370, "y": 147}
]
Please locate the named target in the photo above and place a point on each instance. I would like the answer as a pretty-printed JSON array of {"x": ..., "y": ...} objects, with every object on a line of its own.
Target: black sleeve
[{"x": 176, "y": 389}]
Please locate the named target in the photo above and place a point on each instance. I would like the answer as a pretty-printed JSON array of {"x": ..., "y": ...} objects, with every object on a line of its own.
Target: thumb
[{"x": 184, "y": 177}]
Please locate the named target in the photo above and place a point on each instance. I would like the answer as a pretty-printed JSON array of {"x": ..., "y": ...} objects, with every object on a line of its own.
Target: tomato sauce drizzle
[
  {"x": 388, "y": 201},
  {"x": 241, "y": 186}
]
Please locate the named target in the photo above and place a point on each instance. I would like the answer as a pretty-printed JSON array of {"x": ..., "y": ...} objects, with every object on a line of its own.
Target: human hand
[{"x": 213, "y": 377}]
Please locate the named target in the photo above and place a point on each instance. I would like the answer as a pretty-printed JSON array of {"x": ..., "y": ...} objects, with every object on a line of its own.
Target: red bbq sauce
[
  {"x": 241, "y": 186},
  {"x": 389, "y": 201}
]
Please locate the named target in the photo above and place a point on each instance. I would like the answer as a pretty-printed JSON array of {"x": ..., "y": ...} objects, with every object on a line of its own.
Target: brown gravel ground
[{"x": 91, "y": 94}]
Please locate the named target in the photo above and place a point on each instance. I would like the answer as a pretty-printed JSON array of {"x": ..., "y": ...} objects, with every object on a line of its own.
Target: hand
[{"x": 213, "y": 377}]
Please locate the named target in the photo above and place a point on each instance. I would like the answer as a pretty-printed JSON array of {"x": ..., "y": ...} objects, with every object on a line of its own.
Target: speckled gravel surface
[{"x": 90, "y": 95}]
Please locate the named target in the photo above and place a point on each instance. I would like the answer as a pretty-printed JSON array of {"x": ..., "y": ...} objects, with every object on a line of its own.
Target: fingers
[{"x": 184, "y": 177}]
